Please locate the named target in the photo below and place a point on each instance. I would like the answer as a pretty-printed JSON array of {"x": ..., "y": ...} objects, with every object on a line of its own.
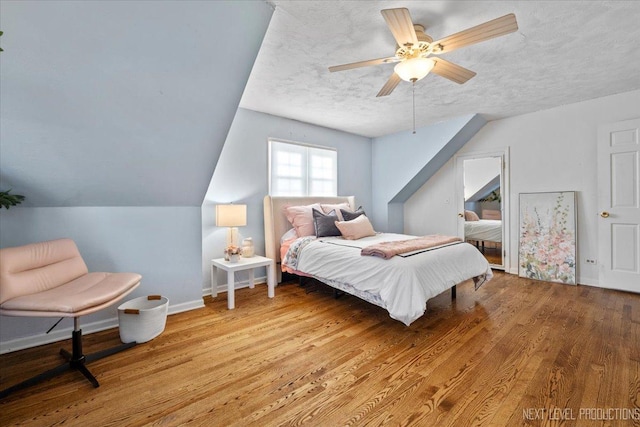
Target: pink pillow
[
  {"x": 327, "y": 208},
  {"x": 356, "y": 228},
  {"x": 471, "y": 216},
  {"x": 301, "y": 217}
]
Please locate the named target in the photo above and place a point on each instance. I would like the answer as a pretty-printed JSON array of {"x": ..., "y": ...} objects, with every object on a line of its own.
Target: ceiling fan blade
[
  {"x": 401, "y": 26},
  {"x": 362, "y": 64},
  {"x": 451, "y": 71},
  {"x": 494, "y": 28},
  {"x": 390, "y": 85}
]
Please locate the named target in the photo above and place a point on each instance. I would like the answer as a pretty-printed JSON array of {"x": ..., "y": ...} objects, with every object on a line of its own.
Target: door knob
[
  {"x": 461, "y": 215},
  {"x": 604, "y": 214}
]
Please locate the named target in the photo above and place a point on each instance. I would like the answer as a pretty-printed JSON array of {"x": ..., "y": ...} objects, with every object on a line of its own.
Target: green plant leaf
[{"x": 7, "y": 200}]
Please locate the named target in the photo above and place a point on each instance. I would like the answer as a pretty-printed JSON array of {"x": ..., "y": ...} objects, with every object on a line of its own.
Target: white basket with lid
[{"x": 142, "y": 319}]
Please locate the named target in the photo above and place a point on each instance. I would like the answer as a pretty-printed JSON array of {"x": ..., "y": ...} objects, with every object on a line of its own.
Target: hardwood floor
[
  {"x": 493, "y": 255},
  {"x": 515, "y": 352},
  {"x": 492, "y": 251}
]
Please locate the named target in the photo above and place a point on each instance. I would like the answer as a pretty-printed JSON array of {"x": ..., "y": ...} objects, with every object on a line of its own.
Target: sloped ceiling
[
  {"x": 485, "y": 190},
  {"x": 564, "y": 52},
  {"x": 121, "y": 103}
]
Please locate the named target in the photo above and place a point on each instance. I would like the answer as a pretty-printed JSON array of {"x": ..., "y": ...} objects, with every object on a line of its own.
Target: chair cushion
[
  {"x": 81, "y": 296},
  {"x": 38, "y": 267}
]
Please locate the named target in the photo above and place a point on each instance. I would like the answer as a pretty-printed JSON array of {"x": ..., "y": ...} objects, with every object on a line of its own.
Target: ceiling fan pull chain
[{"x": 413, "y": 90}]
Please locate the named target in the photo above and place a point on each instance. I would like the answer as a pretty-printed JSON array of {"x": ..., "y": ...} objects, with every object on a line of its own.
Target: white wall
[
  {"x": 241, "y": 176},
  {"x": 550, "y": 150},
  {"x": 478, "y": 173},
  {"x": 402, "y": 161}
]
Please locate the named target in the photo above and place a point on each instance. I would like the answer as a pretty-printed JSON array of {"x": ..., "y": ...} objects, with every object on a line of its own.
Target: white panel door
[{"x": 619, "y": 205}]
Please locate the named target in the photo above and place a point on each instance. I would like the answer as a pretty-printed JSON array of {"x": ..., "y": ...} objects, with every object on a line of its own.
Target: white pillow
[{"x": 356, "y": 228}]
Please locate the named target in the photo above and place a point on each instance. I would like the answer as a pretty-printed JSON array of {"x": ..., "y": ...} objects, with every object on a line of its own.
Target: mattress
[
  {"x": 488, "y": 230},
  {"x": 401, "y": 285}
]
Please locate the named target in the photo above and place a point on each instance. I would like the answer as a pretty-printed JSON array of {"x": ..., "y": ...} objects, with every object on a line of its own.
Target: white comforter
[
  {"x": 404, "y": 284},
  {"x": 489, "y": 230}
]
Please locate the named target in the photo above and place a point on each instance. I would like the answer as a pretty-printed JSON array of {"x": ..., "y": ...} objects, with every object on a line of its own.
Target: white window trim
[{"x": 270, "y": 141}]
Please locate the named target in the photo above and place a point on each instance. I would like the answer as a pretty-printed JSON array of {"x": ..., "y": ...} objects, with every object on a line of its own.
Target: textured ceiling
[{"x": 563, "y": 52}]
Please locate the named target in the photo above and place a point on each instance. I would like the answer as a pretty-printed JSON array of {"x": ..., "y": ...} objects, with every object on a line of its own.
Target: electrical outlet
[{"x": 591, "y": 261}]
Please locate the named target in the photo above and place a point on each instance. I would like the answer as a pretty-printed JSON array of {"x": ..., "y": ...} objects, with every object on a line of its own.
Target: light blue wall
[
  {"x": 114, "y": 115},
  {"x": 403, "y": 161},
  {"x": 121, "y": 103},
  {"x": 160, "y": 243},
  {"x": 241, "y": 174}
]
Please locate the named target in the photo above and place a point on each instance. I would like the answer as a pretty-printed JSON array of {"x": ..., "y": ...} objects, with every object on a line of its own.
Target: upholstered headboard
[
  {"x": 276, "y": 223},
  {"x": 491, "y": 214}
]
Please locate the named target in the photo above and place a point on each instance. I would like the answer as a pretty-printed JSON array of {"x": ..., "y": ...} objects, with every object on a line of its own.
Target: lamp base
[{"x": 232, "y": 236}]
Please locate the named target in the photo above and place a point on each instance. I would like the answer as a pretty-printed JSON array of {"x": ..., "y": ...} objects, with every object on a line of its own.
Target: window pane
[
  {"x": 288, "y": 187},
  {"x": 300, "y": 170},
  {"x": 321, "y": 167},
  {"x": 322, "y": 187},
  {"x": 288, "y": 164}
]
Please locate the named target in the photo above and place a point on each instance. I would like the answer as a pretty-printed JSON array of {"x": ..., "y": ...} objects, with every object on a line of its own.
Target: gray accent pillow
[
  {"x": 349, "y": 216},
  {"x": 325, "y": 224}
]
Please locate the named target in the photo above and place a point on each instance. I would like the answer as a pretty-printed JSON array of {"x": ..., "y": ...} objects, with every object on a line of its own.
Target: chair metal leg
[
  {"x": 84, "y": 371},
  {"x": 108, "y": 352},
  {"x": 67, "y": 356},
  {"x": 35, "y": 380},
  {"x": 74, "y": 360}
]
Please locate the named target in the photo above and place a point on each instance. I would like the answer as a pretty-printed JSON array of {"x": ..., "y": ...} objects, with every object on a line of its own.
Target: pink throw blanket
[{"x": 387, "y": 250}]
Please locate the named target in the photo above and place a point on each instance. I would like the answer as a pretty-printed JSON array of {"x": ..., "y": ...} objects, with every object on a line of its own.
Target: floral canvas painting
[{"x": 548, "y": 236}]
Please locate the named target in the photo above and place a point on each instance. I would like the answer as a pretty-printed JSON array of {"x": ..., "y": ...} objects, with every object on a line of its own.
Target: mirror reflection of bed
[{"x": 483, "y": 207}]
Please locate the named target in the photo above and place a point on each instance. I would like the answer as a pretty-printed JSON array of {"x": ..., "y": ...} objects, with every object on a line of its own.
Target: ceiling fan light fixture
[{"x": 414, "y": 69}]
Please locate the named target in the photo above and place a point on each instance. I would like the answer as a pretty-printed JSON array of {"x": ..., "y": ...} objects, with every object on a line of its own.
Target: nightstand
[{"x": 243, "y": 264}]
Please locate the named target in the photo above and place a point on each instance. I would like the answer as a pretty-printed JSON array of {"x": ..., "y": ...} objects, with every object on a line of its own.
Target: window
[{"x": 302, "y": 170}]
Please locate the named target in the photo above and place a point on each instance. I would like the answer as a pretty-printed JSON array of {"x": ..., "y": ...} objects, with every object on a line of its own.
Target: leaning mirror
[{"x": 483, "y": 207}]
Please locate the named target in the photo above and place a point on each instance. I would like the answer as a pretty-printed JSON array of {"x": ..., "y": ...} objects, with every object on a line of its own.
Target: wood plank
[{"x": 307, "y": 358}]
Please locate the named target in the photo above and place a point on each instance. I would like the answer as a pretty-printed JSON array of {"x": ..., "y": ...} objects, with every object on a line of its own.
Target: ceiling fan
[{"x": 415, "y": 49}]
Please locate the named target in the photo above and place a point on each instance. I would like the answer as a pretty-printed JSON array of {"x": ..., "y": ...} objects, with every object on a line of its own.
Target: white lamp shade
[
  {"x": 414, "y": 69},
  {"x": 231, "y": 215}
]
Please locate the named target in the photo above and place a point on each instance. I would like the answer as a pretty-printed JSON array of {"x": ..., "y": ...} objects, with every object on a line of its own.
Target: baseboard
[
  {"x": 615, "y": 288},
  {"x": 89, "y": 328},
  {"x": 58, "y": 335},
  {"x": 185, "y": 306},
  {"x": 589, "y": 281},
  {"x": 238, "y": 285}
]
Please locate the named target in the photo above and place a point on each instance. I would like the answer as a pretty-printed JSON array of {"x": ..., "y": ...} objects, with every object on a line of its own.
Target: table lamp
[{"x": 231, "y": 216}]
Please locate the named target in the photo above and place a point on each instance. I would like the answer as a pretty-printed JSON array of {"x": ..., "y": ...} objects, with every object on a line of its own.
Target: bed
[
  {"x": 487, "y": 229},
  {"x": 401, "y": 285},
  {"x": 483, "y": 230}
]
